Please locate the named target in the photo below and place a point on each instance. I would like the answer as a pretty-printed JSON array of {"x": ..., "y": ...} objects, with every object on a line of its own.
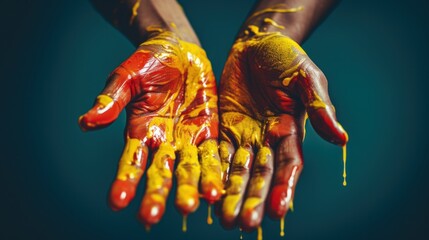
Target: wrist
[
  {"x": 136, "y": 19},
  {"x": 293, "y": 18}
]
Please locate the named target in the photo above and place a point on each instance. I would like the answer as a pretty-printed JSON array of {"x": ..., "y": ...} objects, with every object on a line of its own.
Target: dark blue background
[{"x": 54, "y": 178}]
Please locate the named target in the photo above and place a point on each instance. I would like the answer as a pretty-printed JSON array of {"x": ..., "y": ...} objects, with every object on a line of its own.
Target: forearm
[
  {"x": 293, "y": 18},
  {"x": 138, "y": 19}
]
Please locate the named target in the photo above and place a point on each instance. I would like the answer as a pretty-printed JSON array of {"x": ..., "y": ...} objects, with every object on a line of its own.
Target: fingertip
[
  {"x": 103, "y": 113},
  {"x": 152, "y": 209},
  {"x": 277, "y": 202},
  {"x": 121, "y": 194},
  {"x": 187, "y": 199},
  {"x": 326, "y": 125},
  {"x": 212, "y": 192},
  {"x": 251, "y": 214},
  {"x": 230, "y": 210}
]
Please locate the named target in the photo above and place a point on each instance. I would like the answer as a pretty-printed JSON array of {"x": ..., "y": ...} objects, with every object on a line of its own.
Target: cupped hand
[
  {"x": 268, "y": 87},
  {"x": 168, "y": 89}
]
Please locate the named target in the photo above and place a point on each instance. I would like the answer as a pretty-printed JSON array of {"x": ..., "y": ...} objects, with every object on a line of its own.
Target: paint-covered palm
[
  {"x": 268, "y": 87},
  {"x": 168, "y": 89}
]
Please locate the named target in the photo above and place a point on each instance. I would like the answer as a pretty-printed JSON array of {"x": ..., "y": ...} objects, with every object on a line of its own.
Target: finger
[
  {"x": 109, "y": 103},
  {"x": 288, "y": 166},
  {"x": 313, "y": 89},
  {"x": 188, "y": 174},
  {"x": 253, "y": 208},
  {"x": 226, "y": 151},
  {"x": 211, "y": 171},
  {"x": 236, "y": 186},
  {"x": 131, "y": 168},
  {"x": 158, "y": 185}
]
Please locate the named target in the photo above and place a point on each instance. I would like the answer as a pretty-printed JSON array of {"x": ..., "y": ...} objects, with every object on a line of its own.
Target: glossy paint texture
[
  {"x": 169, "y": 92},
  {"x": 268, "y": 86}
]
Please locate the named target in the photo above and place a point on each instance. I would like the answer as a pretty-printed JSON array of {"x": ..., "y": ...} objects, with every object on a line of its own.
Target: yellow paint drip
[
  {"x": 274, "y": 23},
  {"x": 134, "y": 11},
  {"x": 282, "y": 226},
  {"x": 259, "y": 233},
  {"x": 209, "y": 215},
  {"x": 317, "y": 102},
  {"x": 184, "y": 223},
  {"x": 344, "y": 165},
  {"x": 291, "y": 206},
  {"x": 128, "y": 167},
  {"x": 276, "y": 10}
]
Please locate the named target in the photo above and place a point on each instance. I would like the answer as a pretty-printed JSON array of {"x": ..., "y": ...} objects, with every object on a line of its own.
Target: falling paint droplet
[
  {"x": 259, "y": 233},
  {"x": 209, "y": 215},
  {"x": 241, "y": 233},
  {"x": 282, "y": 226},
  {"x": 147, "y": 228},
  {"x": 184, "y": 224},
  {"x": 344, "y": 165}
]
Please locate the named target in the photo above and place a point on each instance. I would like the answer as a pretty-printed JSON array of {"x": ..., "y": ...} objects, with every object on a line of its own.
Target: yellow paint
[
  {"x": 209, "y": 215},
  {"x": 224, "y": 156},
  {"x": 129, "y": 168},
  {"x": 282, "y": 226},
  {"x": 287, "y": 80},
  {"x": 246, "y": 129},
  {"x": 235, "y": 185},
  {"x": 211, "y": 168},
  {"x": 251, "y": 203},
  {"x": 291, "y": 205},
  {"x": 317, "y": 102},
  {"x": 274, "y": 23},
  {"x": 259, "y": 233},
  {"x": 173, "y": 25},
  {"x": 186, "y": 195},
  {"x": 229, "y": 207},
  {"x": 105, "y": 101},
  {"x": 303, "y": 126},
  {"x": 134, "y": 11},
  {"x": 258, "y": 182},
  {"x": 263, "y": 155},
  {"x": 276, "y": 10},
  {"x": 184, "y": 223},
  {"x": 344, "y": 165},
  {"x": 188, "y": 170},
  {"x": 158, "y": 171}
]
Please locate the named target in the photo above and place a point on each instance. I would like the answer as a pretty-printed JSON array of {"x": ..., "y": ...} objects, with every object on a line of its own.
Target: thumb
[
  {"x": 313, "y": 91},
  {"x": 109, "y": 103}
]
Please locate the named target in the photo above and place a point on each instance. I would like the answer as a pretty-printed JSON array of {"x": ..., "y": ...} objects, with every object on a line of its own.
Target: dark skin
[
  {"x": 268, "y": 86},
  {"x": 169, "y": 92}
]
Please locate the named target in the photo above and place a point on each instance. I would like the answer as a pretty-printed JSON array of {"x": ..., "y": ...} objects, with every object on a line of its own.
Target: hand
[
  {"x": 268, "y": 87},
  {"x": 168, "y": 89}
]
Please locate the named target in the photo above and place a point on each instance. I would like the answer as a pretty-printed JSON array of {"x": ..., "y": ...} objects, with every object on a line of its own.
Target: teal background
[{"x": 55, "y": 179}]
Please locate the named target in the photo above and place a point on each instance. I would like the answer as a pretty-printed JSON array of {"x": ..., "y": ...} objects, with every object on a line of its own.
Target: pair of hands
[{"x": 167, "y": 86}]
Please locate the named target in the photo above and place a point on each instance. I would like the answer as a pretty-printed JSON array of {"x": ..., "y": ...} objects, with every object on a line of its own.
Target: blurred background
[{"x": 56, "y": 56}]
